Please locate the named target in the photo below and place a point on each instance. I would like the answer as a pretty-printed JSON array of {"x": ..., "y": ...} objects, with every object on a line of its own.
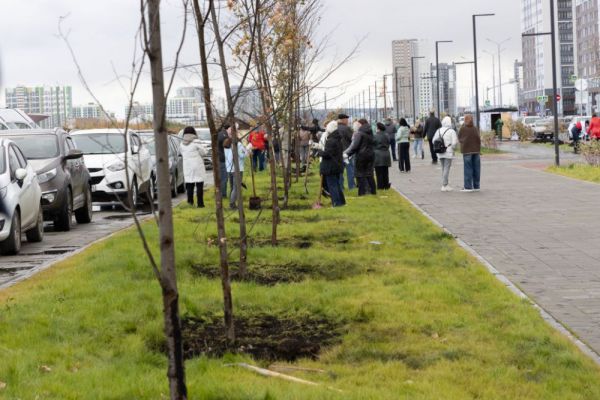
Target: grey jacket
[{"x": 382, "y": 150}]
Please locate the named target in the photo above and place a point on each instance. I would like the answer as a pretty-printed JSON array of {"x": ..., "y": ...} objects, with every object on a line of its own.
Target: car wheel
[
  {"x": 84, "y": 214},
  {"x": 36, "y": 234},
  {"x": 12, "y": 244},
  {"x": 132, "y": 196},
  {"x": 64, "y": 220}
]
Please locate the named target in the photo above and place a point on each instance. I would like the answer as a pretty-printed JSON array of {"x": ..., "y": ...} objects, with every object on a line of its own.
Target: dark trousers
[
  {"x": 393, "y": 147},
  {"x": 258, "y": 159},
  {"x": 366, "y": 185},
  {"x": 404, "y": 150},
  {"x": 383, "y": 177},
  {"x": 189, "y": 188},
  {"x": 224, "y": 178},
  {"x": 335, "y": 190},
  {"x": 434, "y": 157},
  {"x": 472, "y": 170}
]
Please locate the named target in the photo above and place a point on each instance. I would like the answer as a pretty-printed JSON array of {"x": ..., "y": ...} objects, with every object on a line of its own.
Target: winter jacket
[
  {"x": 257, "y": 139},
  {"x": 431, "y": 126},
  {"x": 304, "y": 137},
  {"x": 192, "y": 152},
  {"x": 449, "y": 136},
  {"x": 332, "y": 162},
  {"x": 594, "y": 129},
  {"x": 403, "y": 135},
  {"x": 229, "y": 158},
  {"x": 576, "y": 133},
  {"x": 314, "y": 130},
  {"x": 346, "y": 134},
  {"x": 364, "y": 148},
  {"x": 382, "y": 150},
  {"x": 470, "y": 142},
  {"x": 220, "y": 139},
  {"x": 417, "y": 131},
  {"x": 390, "y": 130}
]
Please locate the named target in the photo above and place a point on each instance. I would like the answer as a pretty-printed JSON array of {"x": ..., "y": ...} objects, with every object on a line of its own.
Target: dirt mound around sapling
[{"x": 263, "y": 336}]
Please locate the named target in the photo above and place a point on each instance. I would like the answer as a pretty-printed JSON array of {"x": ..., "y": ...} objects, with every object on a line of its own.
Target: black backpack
[{"x": 438, "y": 144}]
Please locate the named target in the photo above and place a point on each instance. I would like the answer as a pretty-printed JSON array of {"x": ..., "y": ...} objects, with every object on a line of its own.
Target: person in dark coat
[
  {"x": 431, "y": 126},
  {"x": 390, "y": 130},
  {"x": 383, "y": 161},
  {"x": 315, "y": 130},
  {"x": 332, "y": 164},
  {"x": 222, "y": 166},
  {"x": 470, "y": 147},
  {"x": 346, "y": 134},
  {"x": 363, "y": 145}
]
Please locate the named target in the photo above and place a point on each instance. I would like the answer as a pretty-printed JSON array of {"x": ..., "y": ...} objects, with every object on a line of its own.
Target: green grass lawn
[
  {"x": 578, "y": 171},
  {"x": 423, "y": 320}
]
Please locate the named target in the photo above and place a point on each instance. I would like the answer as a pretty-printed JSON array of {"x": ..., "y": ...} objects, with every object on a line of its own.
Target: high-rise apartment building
[
  {"x": 402, "y": 53},
  {"x": 187, "y": 106},
  {"x": 447, "y": 82},
  {"x": 426, "y": 85},
  {"x": 537, "y": 55},
  {"x": 55, "y": 102},
  {"x": 587, "y": 27}
]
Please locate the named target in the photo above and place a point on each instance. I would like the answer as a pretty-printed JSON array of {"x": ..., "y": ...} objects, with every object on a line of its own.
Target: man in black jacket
[
  {"x": 431, "y": 126},
  {"x": 391, "y": 130},
  {"x": 346, "y": 137},
  {"x": 332, "y": 165}
]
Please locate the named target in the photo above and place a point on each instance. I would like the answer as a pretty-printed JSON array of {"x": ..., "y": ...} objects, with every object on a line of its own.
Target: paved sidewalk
[{"x": 540, "y": 230}]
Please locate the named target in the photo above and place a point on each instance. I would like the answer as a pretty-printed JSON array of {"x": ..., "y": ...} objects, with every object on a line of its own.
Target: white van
[{"x": 105, "y": 152}]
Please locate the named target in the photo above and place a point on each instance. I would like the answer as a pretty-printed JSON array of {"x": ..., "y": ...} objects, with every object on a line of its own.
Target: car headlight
[
  {"x": 44, "y": 177},
  {"x": 117, "y": 166}
]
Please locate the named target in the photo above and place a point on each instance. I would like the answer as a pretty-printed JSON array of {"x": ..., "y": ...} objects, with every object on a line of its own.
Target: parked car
[
  {"x": 105, "y": 152},
  {"x": 61, "y": 172},
  {"x": 20, "y": 198},
  {"x": 530, "y": 120},
  {"x": 175, "y": 161},
  {"x": 204, "y": 137},
  {"x": 14, "y": 118}
]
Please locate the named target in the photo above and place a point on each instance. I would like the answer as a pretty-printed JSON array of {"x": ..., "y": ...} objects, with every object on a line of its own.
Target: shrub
[
  {"x": 488, "y": 140},
  {"x": 591, "y": 152},
  {"x": 524, "y": 132}
]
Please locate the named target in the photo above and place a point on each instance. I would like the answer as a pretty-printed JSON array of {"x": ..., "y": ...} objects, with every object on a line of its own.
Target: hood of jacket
[
  {"x": 447, "y": 122},
  {"x": 331, "y": 127}
]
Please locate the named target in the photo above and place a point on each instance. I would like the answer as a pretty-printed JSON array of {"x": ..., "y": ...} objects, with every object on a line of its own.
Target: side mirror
[
  {"x": 20, "y": 174},
  {"x": 135, "y": 149},
  {"x": 74, "y": 154}
]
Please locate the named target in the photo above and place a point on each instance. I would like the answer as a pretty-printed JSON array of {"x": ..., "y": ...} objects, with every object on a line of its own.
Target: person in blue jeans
[
  {"x": 470, "y": 145},
  {"x": 332, "y": 164}
]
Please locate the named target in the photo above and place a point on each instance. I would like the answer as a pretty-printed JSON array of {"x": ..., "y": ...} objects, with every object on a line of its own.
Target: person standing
[
  {"x": 383, "y": 160},
  {"x": 391, "y": 130},
  {"x": 363, "y": 145},
  {"x": 594, "y": 129},
  {"x": 470, "y": 147},
  {"x": 431, "y": 127},
  {"x": 222, "y": 136},
  {"x": 448, "y": 136},
  {"x": 403, "y": 140},
  {"x": 576, "y": 135},
  {"x": 315, "y": 130},
  {"x": 417, "y": 132},
  {"x": 192, "y": 153},
  {"x": 346, "y": 134},
  {"x": 304, "y": 137},
  {"x": 332, "y": 163},
  {"x": 257, "y": 139},
  {"x": 231, "y": 168}
]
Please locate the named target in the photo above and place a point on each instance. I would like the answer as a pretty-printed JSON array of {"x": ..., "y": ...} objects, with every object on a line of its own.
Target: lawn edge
[
  {"x": 549, "y": 171},
  {"x": 546, "y": 316}
]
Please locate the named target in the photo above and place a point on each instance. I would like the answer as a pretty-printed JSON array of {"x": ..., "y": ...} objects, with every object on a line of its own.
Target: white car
[
  {"x": 20, "y": 200},
  {"x": 13, "y": 118},
  {"x": 105, "y": 152}
]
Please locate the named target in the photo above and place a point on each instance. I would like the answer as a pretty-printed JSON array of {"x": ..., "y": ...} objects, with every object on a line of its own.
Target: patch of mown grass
[
  {"x": 422, "y": 319},
  {"x": 578, "y": 171}
]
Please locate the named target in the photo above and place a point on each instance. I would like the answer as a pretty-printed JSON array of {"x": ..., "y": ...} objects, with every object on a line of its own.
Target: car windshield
[
  {"x": 37, "y": 147},
  {"x": 2, "y": 163},
  {"x": 149, "y": 141},
  {"x": 203, "y": 134},
  {"x": 100, "y": 143}
]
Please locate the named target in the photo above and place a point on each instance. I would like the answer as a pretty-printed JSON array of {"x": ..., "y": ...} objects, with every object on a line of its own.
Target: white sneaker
[
  {"x": 476, "y": 190},
  {"x": 466, "y": 190},
  {"x": 447, "y": 188}
]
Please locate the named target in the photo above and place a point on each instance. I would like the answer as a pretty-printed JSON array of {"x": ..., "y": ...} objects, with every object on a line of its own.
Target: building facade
[
  {"x": 405, "y": 91},
  {"x": 537, "y": 56},
  {"x": 55, "y": 102},
  {"x": 587, "y": 36},
  {"x": 447, "y": 83},
  {"x": 249, "y": 104},
  {"x": 426, "y": 85},
  {"x": 140, "y": 112},
  {"x": 187, "y": 106}
]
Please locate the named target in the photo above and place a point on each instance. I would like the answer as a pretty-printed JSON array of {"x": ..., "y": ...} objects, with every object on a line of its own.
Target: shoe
[
  {"x": 422, "y": 156},
  {"x": 325, "y": 193},
  {"x": 244, "y": 185},
  {"x": 232, "y": 207},
  {"x": 200, "y": 205},
  {"x": 447, "y": 188},
  {"x": 466, "y": 190},
  {"x": 476, "y": 190},
  {"x": 434, "y": 162}
]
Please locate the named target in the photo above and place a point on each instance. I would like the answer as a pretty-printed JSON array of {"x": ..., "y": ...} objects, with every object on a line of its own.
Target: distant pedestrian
[
  {"x": 390, "y": 130},
  {"x": 470, "y": 147},
  {"x": 403, "y": 140},
  {"x": 347, "y": 135},
  {"x": 331, "y": 151},
  {"x": 231, "y": 168},
  {"x": 431, "y": 127},
  {"x": 383, "y": 160},
  {"x": 192, "y": 153},
  {"x": 594, "y": 130},
  {"x": 363, "y": 145},
  {"x": 576, "y": 135},
  {"x": 257, "y": 139},
  {"x": 315, "y": 130},
  {"x": 450, "y": 140},
  {"x": 304, "y": 137},
  {"x": 417, "y": 132},
  {"x": 222, "y": 167}
]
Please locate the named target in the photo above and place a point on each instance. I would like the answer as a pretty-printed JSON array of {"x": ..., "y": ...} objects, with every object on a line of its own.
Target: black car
[{"x": 61, "y": 172}]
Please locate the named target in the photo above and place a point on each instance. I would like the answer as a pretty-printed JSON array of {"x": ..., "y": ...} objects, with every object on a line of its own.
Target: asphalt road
[{"x": 35, "y": 257}]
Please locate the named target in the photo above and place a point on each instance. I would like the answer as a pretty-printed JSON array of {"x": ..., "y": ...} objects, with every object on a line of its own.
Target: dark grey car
[
  {"x": 61, "y": 172},
  {"x": 175, "y": 162}
]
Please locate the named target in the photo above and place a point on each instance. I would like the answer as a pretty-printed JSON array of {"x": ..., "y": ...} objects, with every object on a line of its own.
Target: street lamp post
[
  {"x": 376, "y": 106},
  {"x": 412, "y": 83},
  {"x": 475, "y": 62},
  {"x": 493, "y": 75},
  {"x": 500, "y": 50},
  {"x": 437, "y": 73}
]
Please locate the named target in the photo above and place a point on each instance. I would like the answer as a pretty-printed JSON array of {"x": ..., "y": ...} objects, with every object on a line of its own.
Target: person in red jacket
[
  {"x": 594, "y": 129},
  {"x": 258, "y": 141}
]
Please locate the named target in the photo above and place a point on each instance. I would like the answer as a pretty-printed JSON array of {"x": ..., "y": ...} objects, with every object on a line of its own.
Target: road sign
[
  {"x": 487, "y": 103},
  {"x": 542, "y": 99},
  {"x": 558, "y": 97},
  {"x": 573, "y": 78}
]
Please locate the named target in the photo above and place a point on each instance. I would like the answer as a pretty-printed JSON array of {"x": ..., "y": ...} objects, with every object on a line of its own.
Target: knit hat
[{"x": 189, "y": 130}]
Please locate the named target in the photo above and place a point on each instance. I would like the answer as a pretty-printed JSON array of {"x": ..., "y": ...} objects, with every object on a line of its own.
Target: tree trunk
[
  {"x": 168, "y": 277},
  {"x": 224, "y": 264}
]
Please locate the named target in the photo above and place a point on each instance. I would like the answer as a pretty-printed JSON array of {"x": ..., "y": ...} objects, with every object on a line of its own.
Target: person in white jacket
[
  {"x": 242, "y": 154},
  {"x": 192, "y": 152},
  {"x": 450, "y": 139}
]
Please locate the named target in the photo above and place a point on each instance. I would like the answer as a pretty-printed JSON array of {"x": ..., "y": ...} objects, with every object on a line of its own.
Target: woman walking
[
  {"x": 449, "y": 139},
  {"x": 192, "y": 152},
  {"x": 470, "y": 147},
  {"x": 403, "y": 140},
  {"x": 418, "y": 133},
  {"x": 383, "y": 161},
  {"x": 363, "y": 145}
]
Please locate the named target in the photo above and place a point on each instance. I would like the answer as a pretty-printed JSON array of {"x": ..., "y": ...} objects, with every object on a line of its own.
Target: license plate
[{"x": 93, "y": 188}]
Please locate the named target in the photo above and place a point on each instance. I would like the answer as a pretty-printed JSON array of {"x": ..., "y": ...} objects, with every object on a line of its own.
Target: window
[
  {"x": 21, "y": 157},
  {"x": 13, "y": 162}
]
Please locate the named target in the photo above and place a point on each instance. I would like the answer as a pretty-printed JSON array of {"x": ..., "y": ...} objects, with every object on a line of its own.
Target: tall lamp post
[
  {"x": 412, "y": 83},
  {"x": 552, "y": 34},
  {"x": 475, "y": 62},
  {"x": 493, "y": 75},
  {"x": 500, "y": 50},
  {"x": 437, "y": 73}
]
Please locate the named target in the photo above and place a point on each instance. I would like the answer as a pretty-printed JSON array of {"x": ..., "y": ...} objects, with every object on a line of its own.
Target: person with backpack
[
  {"x": 383, "y": 161},
  {"x": 470, "y": 147},
  {"x": 443, "y": 143},
  {"x": 403, "y": 140},
  {"x": 363, "y": 145}
]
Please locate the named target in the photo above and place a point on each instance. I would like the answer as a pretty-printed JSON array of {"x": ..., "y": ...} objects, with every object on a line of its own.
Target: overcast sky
[{"x": 102, "y": 35}]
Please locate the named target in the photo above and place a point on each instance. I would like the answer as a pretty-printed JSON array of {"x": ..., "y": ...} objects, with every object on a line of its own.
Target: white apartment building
[
  {"x": 187, "y": 106},
  {"x": 55, "y": 102},
  {"x": 426, "y": 86}
]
